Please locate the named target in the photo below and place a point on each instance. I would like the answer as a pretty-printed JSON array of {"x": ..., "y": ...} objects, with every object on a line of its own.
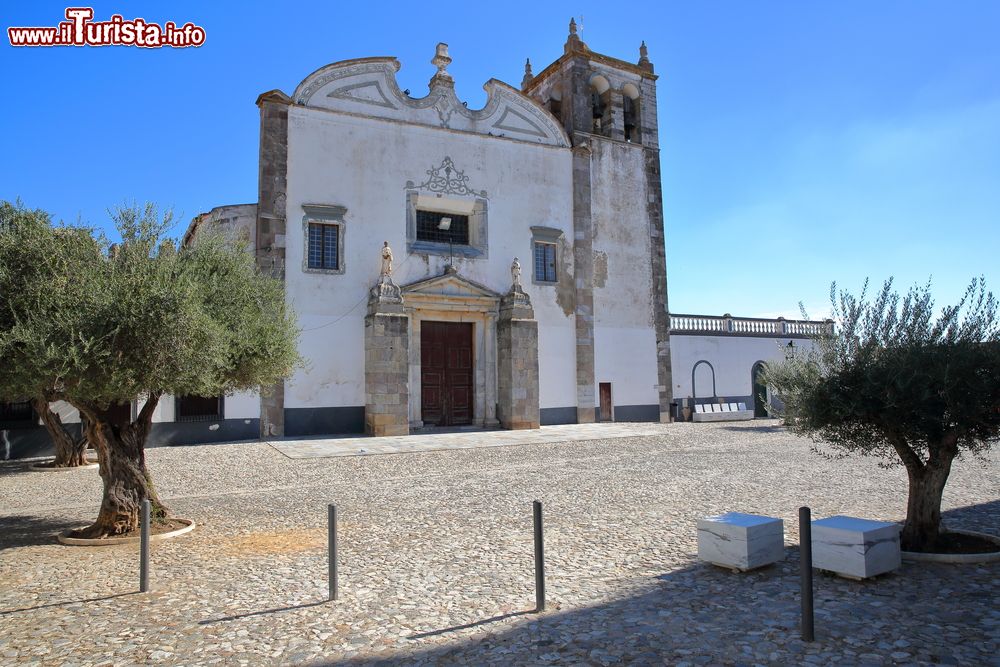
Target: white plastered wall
[
  {"x": 731, "y": 357},
  {"x": 364, "y": 164},
  {"x": 624, "y": 336}
]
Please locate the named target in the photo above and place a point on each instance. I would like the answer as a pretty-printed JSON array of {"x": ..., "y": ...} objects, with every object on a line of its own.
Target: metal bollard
[
  {"x": 539, "y": 558},
  {"x": 806, "y": 573},
  {"x": 144, "y": 547},
  {"x": 332, "y": 550}
]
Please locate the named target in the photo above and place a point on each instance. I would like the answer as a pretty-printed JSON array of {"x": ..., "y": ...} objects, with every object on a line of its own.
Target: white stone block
[
  {"x": 741, "y": 415},
  {"x": 857, "y": 548},
  {"x": 741, "y": 541}
]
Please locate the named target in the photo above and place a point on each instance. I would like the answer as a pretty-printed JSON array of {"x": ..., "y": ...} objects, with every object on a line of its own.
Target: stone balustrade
[{"x": 727, "y": 325}]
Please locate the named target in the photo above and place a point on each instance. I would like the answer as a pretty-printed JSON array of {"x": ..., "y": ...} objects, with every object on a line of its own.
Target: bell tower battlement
[{"x": 597, "y": 95}]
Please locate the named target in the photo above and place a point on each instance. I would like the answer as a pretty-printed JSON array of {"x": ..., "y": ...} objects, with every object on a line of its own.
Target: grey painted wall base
[
  {"x": 637, "y": 413},
  {"x": 553, "y": 416},
  {"x": 623, "y": 413},
  {"x": 164, "y": 434},
  {"x": 324, "y": 421},
  {"x": 32, "y": 442}
]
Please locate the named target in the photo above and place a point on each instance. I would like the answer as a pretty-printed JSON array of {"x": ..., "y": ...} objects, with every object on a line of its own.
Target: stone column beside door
[
  {"x": 387, "y": 363},
  {"x": 517, "y": 362}
]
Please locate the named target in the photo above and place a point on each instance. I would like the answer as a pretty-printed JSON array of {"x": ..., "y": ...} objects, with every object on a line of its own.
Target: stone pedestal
[
  {"x": 855, "y": 548},
  {"x": 517, "y": 362},
  {"x": 387, "y": 398},
  {"x": 741, "y": 541}
]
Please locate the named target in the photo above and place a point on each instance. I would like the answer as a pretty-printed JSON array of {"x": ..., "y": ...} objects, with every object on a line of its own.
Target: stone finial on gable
[
  {"x": 528, "y": 76},
  {"x": 573, "y": 42},
  {"x": 644, "y": 57},
  {"x": 441, "y": 60}
]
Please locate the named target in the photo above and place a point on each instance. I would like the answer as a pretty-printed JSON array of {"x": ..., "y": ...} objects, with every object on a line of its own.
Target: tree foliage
[
  {"x": 103, "y": 323},
  {"x": 899, "y": 382},
  {"x": 97, "y": 324}
]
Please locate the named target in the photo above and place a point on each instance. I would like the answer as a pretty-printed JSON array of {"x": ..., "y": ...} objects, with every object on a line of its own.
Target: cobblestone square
[{"x": 436, "y": 559}]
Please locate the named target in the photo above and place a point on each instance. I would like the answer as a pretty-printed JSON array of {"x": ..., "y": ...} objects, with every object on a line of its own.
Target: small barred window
[{"x": 545, "y": 262}]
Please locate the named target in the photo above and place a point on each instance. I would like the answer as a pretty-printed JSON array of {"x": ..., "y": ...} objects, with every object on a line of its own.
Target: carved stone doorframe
[{"x": 451, "y": 298}]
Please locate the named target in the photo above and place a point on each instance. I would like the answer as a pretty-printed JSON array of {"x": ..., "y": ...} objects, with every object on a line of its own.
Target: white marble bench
[
  {"x": 741, "y": 541},
  {"x": 721, "y": 412},
  {"x": 855, "y": 548}
]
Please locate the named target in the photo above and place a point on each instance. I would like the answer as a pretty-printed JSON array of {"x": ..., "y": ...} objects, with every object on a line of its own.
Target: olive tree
[
  {"x": 146, "y": 319},
  {"x": 34, "y": 257},
  {"x": 898, "y": 382}
]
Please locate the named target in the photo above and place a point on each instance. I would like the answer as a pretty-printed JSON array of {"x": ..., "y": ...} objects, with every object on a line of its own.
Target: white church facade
[
  {"x": 560, "y": 177},
  {"x": 500, "y": 267}
]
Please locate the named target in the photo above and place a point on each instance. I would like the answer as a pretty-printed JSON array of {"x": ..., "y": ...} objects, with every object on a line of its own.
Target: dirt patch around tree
[
  {"x": 276, "y": 542},
  {"x": 961, "y": 543}
]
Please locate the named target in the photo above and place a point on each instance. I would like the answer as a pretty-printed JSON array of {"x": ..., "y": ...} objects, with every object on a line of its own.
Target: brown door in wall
[
  {"x": 446, "y": 373},
  {"x": 605, "y": 391}
]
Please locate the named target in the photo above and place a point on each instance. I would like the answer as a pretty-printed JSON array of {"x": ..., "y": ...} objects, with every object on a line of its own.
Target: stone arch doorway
[
  {"x": 761, "y": 394},
  {"x": 703, "y": 380}
]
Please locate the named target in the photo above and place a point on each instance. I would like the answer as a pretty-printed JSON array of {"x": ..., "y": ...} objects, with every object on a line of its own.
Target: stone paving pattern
[
  {"x": 436, "y": 561},
  {"x": 459, "y": 438}
]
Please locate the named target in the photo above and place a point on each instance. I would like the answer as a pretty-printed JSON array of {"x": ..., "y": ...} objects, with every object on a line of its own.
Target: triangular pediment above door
[{"x": 448, "y": 285}]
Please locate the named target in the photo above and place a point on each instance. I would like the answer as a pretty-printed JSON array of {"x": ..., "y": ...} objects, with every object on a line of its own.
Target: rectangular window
[
  {"x": 429, "y": 227},
  {"x": 545, "y": 262},
  {"x": 198, "y": 408},
  {"x": 324, "y": 246},
  {"x": 120, "y": 413}
]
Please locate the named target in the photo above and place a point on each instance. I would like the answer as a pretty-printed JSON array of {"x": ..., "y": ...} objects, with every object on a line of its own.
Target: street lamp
[{"x": 445, "y": 226}]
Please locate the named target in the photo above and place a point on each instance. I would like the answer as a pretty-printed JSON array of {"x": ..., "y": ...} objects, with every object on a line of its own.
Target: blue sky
[{"x": 801, "y": 142}]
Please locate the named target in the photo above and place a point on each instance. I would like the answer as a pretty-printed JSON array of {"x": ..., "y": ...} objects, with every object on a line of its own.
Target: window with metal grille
[
  {"x": 17, "y": 412},
  {"x": 545, "y": 262},
  {"x": 428, "y": 227},
  {"x": 324, "y": 246},
  {"x": 120, "y": 413},
  {"x": 199, "y": 408}
]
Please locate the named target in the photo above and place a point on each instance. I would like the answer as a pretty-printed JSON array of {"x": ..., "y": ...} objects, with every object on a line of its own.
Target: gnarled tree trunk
[
  {"x": 127, "y": 482},
  {"x": 70, "y": 452},
  {"x": 926, "y": 486}
]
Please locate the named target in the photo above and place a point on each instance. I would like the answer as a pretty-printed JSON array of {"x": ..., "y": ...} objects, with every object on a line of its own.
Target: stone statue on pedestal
[
  {"x": 386, "y": 260},
  {"x": 385, "y": 296},
  {"x": 515, "y": 274}
]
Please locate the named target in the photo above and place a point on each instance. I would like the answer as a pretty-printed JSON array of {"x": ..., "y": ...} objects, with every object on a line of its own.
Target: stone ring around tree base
[
  {"x": 986, "y": 557},
  {"x": 64, "y": 538},
  {"x": 43, "y": 467}
]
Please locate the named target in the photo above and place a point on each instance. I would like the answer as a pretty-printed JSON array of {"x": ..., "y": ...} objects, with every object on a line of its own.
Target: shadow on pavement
[
  {"x": 23, "y": 530},
  {"x": 7, "y": 612},
  {"x": 705, "y": 614}
]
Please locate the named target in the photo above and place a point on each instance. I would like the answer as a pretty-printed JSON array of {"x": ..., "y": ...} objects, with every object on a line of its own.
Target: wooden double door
[{"x": 446, "y": 373}]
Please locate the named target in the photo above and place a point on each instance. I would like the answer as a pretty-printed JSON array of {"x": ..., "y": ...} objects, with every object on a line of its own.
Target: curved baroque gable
[{"x": 367, "y": 86}]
